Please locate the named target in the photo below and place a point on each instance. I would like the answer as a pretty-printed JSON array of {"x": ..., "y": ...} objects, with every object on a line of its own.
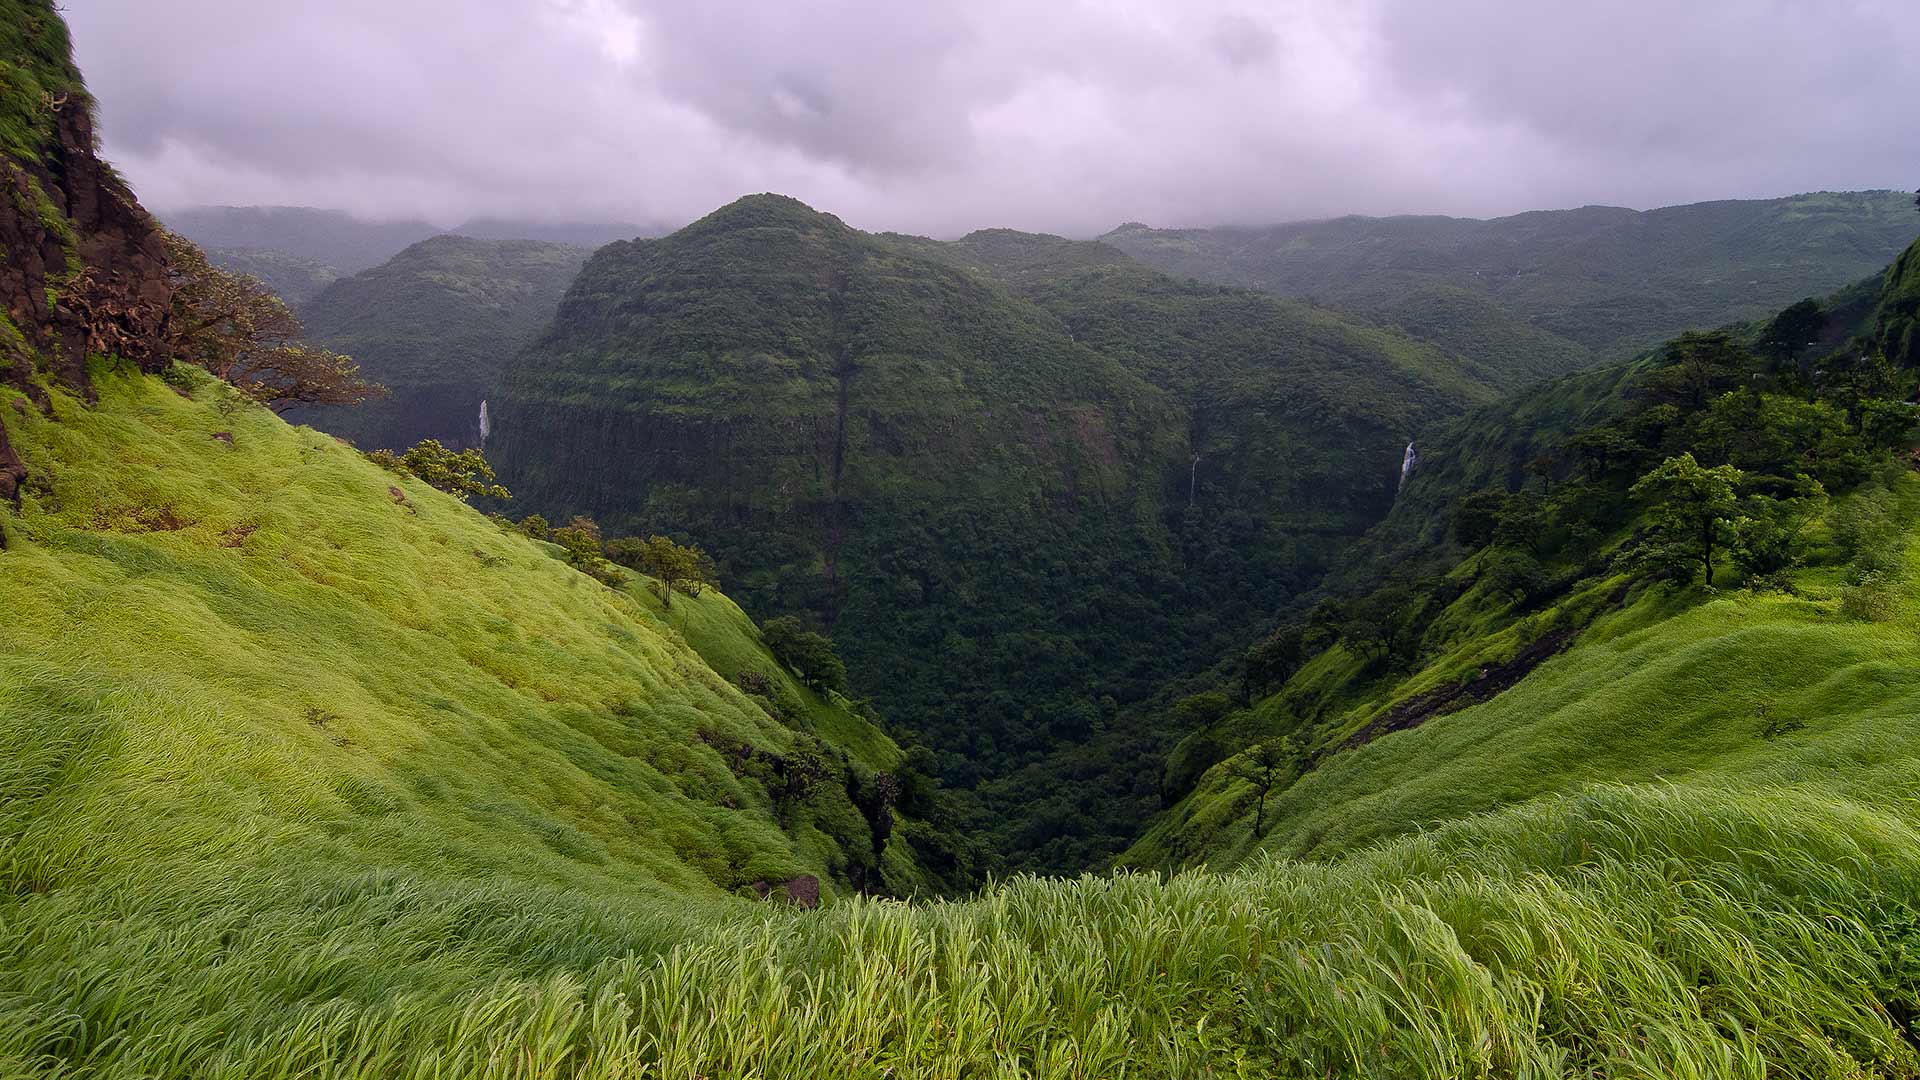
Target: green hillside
[
  {"x": 435, "y": 324},
  {"x": 1599, "y": 281},
  {"x": 967, "y": 487}
]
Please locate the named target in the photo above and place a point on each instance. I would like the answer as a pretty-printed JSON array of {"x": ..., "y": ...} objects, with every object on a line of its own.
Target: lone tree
[
  {"x": 1263, "y": 766},
  {"x": 462, "y": 474},
  {"x": 685, "y": 567},
  {"x": 236, "y": 328},
  {"x": 1693, "y": 513}
]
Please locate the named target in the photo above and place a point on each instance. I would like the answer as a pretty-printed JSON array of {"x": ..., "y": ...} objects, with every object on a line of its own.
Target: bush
[{"x": 462, "y": 474}]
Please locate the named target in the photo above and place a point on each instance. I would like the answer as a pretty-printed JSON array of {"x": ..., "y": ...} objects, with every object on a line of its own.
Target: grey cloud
[{"x": 944, "y": 116}]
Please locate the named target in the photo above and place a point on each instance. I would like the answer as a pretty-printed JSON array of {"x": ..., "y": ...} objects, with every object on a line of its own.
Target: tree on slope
[
  {"x": 1693, "y": 514},
  {"x": 1263, "y": 765},
  {"x": 236, "y": 328}
]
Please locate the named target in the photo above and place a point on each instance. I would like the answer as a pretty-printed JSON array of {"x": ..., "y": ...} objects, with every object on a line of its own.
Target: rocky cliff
[{"x": 86, "y": 268}]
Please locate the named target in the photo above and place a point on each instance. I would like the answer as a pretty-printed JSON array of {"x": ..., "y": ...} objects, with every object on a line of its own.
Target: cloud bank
[{"x": 944, "y": 116}]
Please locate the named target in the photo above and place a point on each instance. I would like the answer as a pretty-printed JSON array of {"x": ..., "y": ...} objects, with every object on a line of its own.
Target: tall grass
[{"x": 347, "y": 800}]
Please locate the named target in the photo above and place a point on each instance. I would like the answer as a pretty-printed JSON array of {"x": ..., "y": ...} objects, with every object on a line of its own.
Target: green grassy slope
[
  {"x": 228, "y": 638},
  {"x": 1742, "y": 691},
  {"x": 435, "y": 324},
  {"x": 1609, "y": 281},
  {"x": 973, "y": 485}
]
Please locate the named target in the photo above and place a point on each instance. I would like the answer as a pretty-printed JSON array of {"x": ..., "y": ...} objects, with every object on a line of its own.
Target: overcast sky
[{"x": 944, "y": 116}]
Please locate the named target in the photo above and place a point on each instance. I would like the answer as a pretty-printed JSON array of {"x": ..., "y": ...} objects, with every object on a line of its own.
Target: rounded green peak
[{"x": 766, "y": 210}]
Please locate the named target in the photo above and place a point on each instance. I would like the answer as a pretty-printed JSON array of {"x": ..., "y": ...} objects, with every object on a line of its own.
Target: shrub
[{"x": 463, "y": 474}]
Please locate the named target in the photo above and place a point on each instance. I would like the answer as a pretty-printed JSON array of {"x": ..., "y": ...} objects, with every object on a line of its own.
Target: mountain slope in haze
[
  {"x": 963, "y": 493},
  {"x": 1607, "y": 280},
  {"x": 332, "y": 238},
  {"x": 434, "y": 324},
  {"x": 293, "y": 278}
]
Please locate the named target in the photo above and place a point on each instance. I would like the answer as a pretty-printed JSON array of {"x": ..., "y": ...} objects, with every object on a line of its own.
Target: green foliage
[
  {"x": 1692, "y": 514},
  {"x": 300, "y": 681},
  {"x": 1794, "y": 330},
  {"x": 462, "y": 474},
  {"x": 580, "y": 538},
  {"x": 1273, "y": 659},
  {"x": 37, "y": 79}
]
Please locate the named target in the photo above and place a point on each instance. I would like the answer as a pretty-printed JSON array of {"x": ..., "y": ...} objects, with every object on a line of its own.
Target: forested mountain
[
  {"x": 1551, "y": 288},
  {"x": 434, "y": 324},
  {"x": 1085, "y": 494}
]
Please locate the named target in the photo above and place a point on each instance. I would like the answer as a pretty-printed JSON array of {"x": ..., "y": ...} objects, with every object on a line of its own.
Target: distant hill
[
  {"x": 331, "y": 238},
  {"x": 294, "y": 247},
  {"x": 296, "y": 279},
  {"x": 1120, "y": 474},
  {"x": 434, "y": 324},
  {"x": 1604, "y": 281}
]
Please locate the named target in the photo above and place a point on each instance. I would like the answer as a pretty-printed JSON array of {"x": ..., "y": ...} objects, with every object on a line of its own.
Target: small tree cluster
[{"x": 672, "y": 566}]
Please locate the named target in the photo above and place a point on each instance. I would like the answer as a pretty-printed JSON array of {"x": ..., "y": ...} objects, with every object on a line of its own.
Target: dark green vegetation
[
  {"x": 1018, "y": 511},
  {"x": 434, "y": 325},
  {"x": 1540, "y": 293}
]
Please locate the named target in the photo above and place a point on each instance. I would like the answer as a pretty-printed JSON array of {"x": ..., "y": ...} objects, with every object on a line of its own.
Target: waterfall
[
  {"x": 486, "y": 427},
  {"x": 1407, "y": 460}
]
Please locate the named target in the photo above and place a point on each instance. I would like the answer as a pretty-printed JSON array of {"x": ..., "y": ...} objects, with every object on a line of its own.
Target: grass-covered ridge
[{"x": 268, "y": 645}]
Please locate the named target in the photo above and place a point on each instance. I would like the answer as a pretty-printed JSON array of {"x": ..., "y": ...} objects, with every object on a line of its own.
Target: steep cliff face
[{"x": 85, "y": 267}]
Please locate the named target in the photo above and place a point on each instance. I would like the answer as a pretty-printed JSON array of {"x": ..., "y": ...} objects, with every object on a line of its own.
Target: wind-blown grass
[{"x": 501, "y": 849}]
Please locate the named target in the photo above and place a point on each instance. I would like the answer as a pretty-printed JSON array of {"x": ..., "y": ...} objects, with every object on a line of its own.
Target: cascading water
[
  {"x": 1407, "y": 460},
  {"x": 486, "y": 427}
]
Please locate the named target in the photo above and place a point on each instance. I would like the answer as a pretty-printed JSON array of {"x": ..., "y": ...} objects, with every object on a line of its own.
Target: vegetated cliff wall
[{"x": 85, "y": 268}]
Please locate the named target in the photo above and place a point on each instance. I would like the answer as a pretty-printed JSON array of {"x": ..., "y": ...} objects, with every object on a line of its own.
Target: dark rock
[{"x": 804, "y": 891}]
